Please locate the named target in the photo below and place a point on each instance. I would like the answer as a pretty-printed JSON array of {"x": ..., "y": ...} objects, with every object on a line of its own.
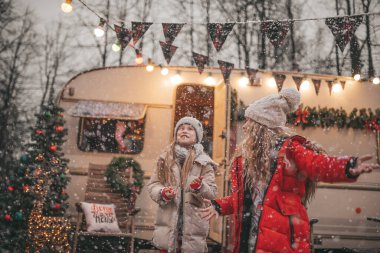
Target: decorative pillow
[{"x": 100, "y": 217}]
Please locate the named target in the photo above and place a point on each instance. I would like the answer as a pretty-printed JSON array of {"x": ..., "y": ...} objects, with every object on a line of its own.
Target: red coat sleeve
[
  {"x": 225, "y": 205},
  {"x": 319, "y": 167}
]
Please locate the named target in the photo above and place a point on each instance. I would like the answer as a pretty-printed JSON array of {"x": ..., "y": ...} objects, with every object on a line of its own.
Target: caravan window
[{"x": 111, "y": 135}]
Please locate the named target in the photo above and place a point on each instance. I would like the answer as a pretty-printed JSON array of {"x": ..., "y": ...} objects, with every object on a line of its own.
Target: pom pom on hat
[
  {"x": 271, "y": 110},
  {"x": 194, "y": 123}
]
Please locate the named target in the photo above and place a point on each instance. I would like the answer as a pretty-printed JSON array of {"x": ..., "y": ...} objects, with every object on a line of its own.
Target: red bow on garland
[
  {"x": 301, "y": 116},
  {"x": 372, "y": 125}
]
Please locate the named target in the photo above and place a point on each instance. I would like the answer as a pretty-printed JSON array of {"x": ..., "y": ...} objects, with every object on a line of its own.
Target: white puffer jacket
[{"x": 194, "y": 229}]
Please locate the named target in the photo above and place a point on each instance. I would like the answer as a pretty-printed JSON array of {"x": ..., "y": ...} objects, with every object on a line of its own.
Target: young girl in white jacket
[{"x": 183, "y": 176}]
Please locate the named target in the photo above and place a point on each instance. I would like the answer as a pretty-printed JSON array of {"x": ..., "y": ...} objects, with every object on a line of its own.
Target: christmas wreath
[{"x": 118, "y": 176}]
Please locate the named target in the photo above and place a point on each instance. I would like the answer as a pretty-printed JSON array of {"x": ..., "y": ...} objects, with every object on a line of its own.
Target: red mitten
[
  {"x": 164, "y": 192},
  {"x": 196, "y": 184}
]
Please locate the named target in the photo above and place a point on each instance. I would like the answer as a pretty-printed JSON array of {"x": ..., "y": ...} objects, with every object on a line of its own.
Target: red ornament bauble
[
  {"x": 25, "y": 188},
  {"x": 57, "y": 206},
  {"x": 39, "y": 131},
  {"x": 59, "y": 128},
  {"x": 358, "y": 210},
  {"x": 10, "y": 188},
  {"x": 7, "y": 217},
  {"x": 53, "y": 148}
]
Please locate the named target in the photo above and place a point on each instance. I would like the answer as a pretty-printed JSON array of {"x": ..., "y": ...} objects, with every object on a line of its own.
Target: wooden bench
[{"x": 100, "y": 192}]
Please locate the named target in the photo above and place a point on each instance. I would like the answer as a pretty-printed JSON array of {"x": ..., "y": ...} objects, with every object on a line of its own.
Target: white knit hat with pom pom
[{"x": 271, "y": 110}]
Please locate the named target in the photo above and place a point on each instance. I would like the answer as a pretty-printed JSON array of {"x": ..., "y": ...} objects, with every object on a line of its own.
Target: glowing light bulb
[
  {"x": 139, "y": 60},
  {"x": 357, "y": 77},
  {"x": 164, "y": 71},
  {"x": 99, "y": 30},
  {"x": 337, "y": 87},
  {"x": 376, "y": 80},
  {"x": 150, "y": 66},
  {"x": 243, "y": 81},
  {"x": 66, "y": 6},
  {"x": 305, "y": 85},
  {"x": 116, "y": 46},
  {"x": 210, "y": 80},
  {"x": 272, "y": 82},
  {"x": 176, "y": 79}
]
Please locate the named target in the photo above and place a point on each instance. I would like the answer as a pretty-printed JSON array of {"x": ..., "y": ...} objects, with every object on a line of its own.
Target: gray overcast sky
[{"x": 46, "y": 11}]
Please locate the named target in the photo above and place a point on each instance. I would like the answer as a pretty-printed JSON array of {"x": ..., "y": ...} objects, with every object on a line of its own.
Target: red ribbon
[
  {"x": 372, "y": 125},
  {"x": 301, "y": 116}
]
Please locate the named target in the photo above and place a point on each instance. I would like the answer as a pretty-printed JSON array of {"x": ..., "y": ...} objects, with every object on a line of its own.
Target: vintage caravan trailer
[{"x": 143, "y": 108}]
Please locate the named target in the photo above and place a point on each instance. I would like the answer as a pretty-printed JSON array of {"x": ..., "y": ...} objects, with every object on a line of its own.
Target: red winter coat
[{"x": 284, "y": 224}]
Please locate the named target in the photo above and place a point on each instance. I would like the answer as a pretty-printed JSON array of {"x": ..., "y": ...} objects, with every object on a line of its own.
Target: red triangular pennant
[
  {"x": 298, "y": 81},
  {"x": 168, "y": 50},
  {"x": 226, "y": 68},
  {"x": 139, "y": 29},
  {"x": 171, "y": 31},
  {"x": 275, "y": 31},
  {"x": 280, "y": 78},
  {"x": 251, "y": 73},
  {"x": 317, "y": 85},
  {"x": 343, "y": 84},
  {"x": 200, "y": 60},
  {"x": 330, "y": 85},
  {"x": 218, "y": 33},
  {"x": 124, "y": 35},
  {"x": 343, "y": 28}
]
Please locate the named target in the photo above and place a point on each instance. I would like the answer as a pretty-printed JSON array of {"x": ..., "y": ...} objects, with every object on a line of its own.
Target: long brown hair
[{"x": 165, "y": 171}]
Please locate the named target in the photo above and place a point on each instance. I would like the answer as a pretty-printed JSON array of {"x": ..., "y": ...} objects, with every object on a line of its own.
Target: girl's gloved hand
[
  {"x": 196, "y": 184},
  {"x": 168, "y": 193}
]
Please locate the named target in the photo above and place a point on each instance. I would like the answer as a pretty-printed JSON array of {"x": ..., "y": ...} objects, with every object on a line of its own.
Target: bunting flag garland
[
  {"x": 124, "y": 35},
  {"x": 276, "y": 31},
  {"x": 317, "y": 85},
  {"x": 171, "y": 30},
  {"x": 251, "y": 73},
  {"x": 218, "y": 33},
  {"x": 168, "y": 50},
  {"x": 200, "y": 60},
  {"x": 329, "y": 84},
  {"x": 226, "y": 68},
  {"x": 343, "y": 28},
  {"x": 343, "y": 84},
  {"x": 280, "y": 78},
  {"x": 298, "y": 81},
  {"x": 139, "y": 29}
]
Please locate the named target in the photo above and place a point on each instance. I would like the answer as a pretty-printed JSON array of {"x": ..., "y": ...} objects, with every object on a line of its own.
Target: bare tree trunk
[
  {"x": 338, "y": 70},
  {"x": 354, "y": 47},
  {"x": 15, "y": 58},
  {"x": 371, "y": 70},
  {"x": 54, "y": 56},
  {"x": 262, "y": 39},
  {"x": 191, "y": 31},
  {"x": 291, "y": 35},
  {"x": 105, "y": 46},
  {"x": 208, "y": 4}
]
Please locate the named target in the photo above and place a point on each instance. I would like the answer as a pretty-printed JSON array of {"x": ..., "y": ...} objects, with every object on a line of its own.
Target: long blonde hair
[
  {"x": 165, "y": 167},
  {"x": 256, "y": 150}
]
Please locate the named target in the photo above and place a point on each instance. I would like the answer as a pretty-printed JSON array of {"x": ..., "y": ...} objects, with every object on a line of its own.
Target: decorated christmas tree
[{"x": 42, "y": 154}]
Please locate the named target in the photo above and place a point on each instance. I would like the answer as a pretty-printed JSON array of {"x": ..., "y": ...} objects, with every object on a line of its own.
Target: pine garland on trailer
[{"x": 330, "y": 117}]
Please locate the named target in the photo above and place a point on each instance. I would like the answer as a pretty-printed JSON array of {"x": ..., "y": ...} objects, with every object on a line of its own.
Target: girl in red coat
[{"x": 273, "y": 174}]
